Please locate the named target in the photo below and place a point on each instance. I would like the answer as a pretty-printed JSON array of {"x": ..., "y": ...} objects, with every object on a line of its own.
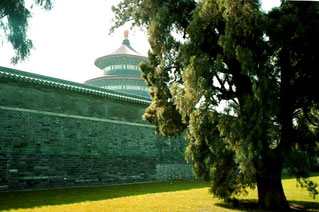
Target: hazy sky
[{"x": 72, "y": 35}]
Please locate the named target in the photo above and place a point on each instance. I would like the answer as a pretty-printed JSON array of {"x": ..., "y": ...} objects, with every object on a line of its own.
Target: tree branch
[{"x": 309, "y": 119}]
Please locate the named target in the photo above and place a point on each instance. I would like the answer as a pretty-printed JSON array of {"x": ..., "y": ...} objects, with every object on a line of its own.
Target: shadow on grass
[
  {"x": 305, "y": 205},
  {"x": 37, "y": 198},
  {"x": 251, "y": 205}
]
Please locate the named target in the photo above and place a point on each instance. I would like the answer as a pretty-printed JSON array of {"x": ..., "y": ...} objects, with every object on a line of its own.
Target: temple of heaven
[{"x": 121, "y": 70}]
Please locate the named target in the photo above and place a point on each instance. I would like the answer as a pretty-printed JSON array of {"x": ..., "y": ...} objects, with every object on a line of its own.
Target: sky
[{"x": 72, "y": 35}]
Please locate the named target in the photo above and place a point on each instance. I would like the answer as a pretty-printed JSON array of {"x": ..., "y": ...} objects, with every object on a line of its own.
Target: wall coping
[{"x": 31, "y": 78}]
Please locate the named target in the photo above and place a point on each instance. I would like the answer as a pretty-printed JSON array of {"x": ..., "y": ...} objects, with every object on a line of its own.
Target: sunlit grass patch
[
  {"x": 38, "y": 198},
  {"x": 162, "y": 196},
  {"x": 187, "y": 200}
]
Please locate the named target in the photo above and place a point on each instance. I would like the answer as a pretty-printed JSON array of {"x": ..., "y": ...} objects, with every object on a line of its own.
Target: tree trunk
[{"x": 270, "y": 191}]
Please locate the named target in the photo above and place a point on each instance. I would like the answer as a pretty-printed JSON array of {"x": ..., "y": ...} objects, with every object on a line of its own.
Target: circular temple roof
[
  {"x": 121, "y": 71},
  {"x": 125, "y": 50}
]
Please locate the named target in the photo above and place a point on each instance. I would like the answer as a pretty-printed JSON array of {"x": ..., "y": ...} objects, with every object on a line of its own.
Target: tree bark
[{"x": 270, "y": 191}]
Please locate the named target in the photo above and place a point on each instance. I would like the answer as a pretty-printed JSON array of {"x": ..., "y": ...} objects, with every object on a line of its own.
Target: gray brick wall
[{"x": 51, "y": 137}]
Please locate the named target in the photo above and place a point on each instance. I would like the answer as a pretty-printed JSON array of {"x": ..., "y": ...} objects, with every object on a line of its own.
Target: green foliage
[
  {"x": 212, "y": 157},
  {"x": 310, "y": 185},
  {"x": 261, "y": 68},
  {"x": 14, "y": 18}
]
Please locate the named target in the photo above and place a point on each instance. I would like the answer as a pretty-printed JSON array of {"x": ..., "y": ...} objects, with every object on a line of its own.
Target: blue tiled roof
[{"x": 31, "y": 78}]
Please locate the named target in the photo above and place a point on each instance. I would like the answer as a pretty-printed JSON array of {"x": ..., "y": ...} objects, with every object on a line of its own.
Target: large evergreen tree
[
  {"x": 14, "y": 17},
  {"x": 260, "y": 67}
]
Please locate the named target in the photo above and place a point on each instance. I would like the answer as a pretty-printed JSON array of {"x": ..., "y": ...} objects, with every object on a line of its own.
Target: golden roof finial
[{"x": 126, "y": 34}]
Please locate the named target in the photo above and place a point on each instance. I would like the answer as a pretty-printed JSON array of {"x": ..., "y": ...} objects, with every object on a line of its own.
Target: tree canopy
[
  {"x": 259, "y": 67},
  {"x": 14, "y": 17}
]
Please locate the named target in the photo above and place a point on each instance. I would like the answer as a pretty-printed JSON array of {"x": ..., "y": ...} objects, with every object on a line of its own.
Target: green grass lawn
[{"x": 162, "y": 196}]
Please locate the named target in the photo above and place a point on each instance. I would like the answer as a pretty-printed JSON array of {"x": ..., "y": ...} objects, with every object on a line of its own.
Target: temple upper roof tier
[
  {"x": 124, "y": 55},
  {"x": 121, "y": 71}
]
